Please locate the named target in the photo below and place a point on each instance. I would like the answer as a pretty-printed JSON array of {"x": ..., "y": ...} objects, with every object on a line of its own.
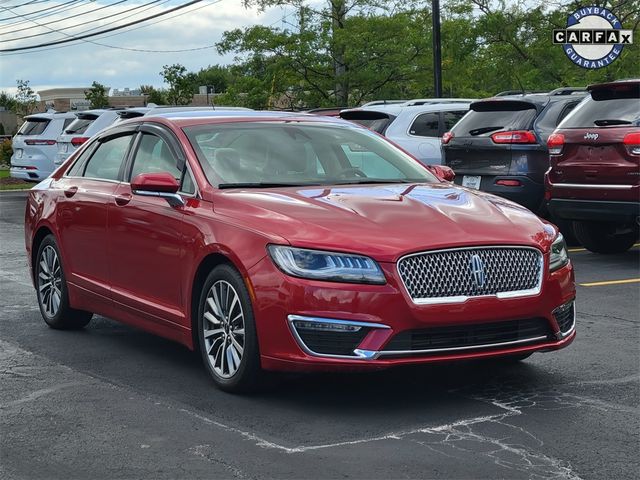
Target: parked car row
[{"x": 46, "y": 140}]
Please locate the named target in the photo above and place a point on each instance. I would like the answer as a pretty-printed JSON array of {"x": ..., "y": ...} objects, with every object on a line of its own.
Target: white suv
[{"x": 34, "y": 146}]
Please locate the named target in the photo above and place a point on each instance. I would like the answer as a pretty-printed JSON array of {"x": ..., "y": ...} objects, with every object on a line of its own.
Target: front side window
[
  {"x": 426, "y": 125},
  {"x": 107, "y": 159},
  {"x": 153, "y": 156},
  {"x": 300, "y": 153}
]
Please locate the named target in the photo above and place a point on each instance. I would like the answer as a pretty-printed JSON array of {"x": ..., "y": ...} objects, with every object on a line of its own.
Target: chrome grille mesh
[{"x": 448, "y": 273}]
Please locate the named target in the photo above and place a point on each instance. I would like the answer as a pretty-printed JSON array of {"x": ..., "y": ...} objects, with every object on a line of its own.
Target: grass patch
[
  {"x": 16, "y": 186},
  {"x": 4, "y": 173}
]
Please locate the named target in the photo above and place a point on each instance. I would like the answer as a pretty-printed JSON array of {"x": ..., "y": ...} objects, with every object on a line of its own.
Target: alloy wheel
[
  {"x": 223, "y": 326},
  {"x": 50, "y": 281}
]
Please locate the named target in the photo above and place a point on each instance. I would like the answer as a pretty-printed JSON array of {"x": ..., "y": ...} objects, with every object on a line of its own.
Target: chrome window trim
[
  {"x": 584, "y": 185},
  {"x": 463, "y": 298},
  {"x": 357, "y": 355},
  {"x": 106, "y": 180}
]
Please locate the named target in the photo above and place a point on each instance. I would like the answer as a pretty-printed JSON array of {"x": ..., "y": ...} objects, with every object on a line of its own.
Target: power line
[
  {"x": 53, "y": 30},
  {"x": 164, "y": 19},
  {"x": 54, "y": 11},
  {"x": 37, "y": 11},
  {"x": 119, "y": 27},
  {"x": 61, "y": 19}
]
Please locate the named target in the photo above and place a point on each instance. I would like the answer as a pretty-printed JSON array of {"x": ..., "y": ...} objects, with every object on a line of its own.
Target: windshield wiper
[
  {"x": 364, "y": 181},
  {"x": 611, "y": 121},
  {"x": 264, "y": 185},
  {"x": 478, "y": 131}
]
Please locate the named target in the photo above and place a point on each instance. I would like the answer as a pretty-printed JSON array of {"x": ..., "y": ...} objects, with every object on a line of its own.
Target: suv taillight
[
  {"x": 446, "y": 138},
  {"x": 516, "y": 136},
  {"x": 77, "y": 141},
  {"x": 40, "y": 142},
  {"x": 632, "y": 143},
  {"x": 555, "y": 143}
]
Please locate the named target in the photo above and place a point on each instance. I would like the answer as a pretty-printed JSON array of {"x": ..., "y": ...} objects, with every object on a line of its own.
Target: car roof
[
  {"x": 50, "y": 115},
  {"x": 185, "y": 119},
  {"x": 398, "y": 109}
]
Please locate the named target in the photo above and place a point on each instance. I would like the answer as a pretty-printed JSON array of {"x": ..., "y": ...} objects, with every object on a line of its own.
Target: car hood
[{"x": 384, "y": 221}]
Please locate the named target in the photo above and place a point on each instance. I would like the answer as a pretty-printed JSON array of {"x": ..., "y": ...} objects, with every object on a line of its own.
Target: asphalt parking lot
[{"x": 114, "y": 402}]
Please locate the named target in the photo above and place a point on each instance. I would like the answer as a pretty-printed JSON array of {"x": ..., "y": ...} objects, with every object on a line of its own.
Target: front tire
[
  {"x": 601, "y": 237},
  {"x": 226, "y": 331},
  {"x": 52, "y": 292}
]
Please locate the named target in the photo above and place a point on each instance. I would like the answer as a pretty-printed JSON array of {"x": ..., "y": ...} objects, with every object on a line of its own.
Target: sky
[{"x": 78, "y": 64}]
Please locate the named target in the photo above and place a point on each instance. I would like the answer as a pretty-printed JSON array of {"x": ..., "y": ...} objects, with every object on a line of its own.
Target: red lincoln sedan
[{"x": 274, "y": 241}]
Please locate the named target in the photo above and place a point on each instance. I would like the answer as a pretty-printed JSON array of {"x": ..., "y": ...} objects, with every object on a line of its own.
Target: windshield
[{"x": 301, "y": 153}]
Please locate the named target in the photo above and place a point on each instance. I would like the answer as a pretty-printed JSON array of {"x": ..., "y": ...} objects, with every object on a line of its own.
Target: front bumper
[
  {"x": 595, "y": 210},
  {"x": 388, "y": 311}
]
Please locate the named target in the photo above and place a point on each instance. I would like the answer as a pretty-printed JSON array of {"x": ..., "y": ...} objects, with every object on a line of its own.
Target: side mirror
[
  {"x": 161, "y": 185},
  {"x": 443, "y": 172}
]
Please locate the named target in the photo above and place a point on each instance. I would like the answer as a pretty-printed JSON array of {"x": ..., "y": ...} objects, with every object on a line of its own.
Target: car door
[
  {"x": 87, "y": 189},
  {"x": 145, "y": 240}
]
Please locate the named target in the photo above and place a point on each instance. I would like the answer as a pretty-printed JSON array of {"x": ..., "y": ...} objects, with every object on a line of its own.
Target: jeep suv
[
  {"x": 594, "y": 179},
  {"x": 500, "y": 146}
]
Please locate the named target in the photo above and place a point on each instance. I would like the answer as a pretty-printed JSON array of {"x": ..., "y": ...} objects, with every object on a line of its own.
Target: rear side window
[
  {"x": 451, "y": 118},
  {"x": 33, "y": 126},
  {"x": 426, "y": 125},
  {"x": 602, "y": 113},
  {"x": 106, "y": 161},
  {"x": 486, "y": 122},
  {"x": 553, "y": 115}
]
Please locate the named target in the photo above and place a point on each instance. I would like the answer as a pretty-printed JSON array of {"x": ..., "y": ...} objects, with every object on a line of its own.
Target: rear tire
[
  {"x": 227, "y": 336},
  {"x": 52, "y": 292},
  {"x": 602, "y": 237}
]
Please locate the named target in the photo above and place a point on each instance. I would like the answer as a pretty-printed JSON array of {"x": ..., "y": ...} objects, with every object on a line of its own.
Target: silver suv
[
  {"x": 34, "y": 146},
  {"x": 416, "y": 125}
]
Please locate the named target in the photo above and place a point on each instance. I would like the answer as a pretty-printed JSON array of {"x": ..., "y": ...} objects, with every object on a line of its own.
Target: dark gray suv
[{"x": 500, "y": 146}]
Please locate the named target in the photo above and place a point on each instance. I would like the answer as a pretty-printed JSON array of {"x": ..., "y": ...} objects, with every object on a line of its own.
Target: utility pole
[{"x": 437, "y": 54}]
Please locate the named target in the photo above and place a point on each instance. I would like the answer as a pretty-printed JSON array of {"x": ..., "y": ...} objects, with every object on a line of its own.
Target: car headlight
[
  {"x": 559, "y": 256},
  {"x": 330, "y": 266}
]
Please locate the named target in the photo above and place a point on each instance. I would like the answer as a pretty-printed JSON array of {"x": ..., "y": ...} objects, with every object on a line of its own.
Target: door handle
[
  {"x": 70, "y": 192},
  {"x": 123, "y": 199}
]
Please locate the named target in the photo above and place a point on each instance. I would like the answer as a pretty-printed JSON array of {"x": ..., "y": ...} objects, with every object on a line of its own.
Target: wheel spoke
[
  {"x": 211, "y": 318},
  {"x": 237, "y": 346},
  {"x": 44, "y": 266},
  {"x": 211, "y": 333},
  {"x": 231, "y": 364}
]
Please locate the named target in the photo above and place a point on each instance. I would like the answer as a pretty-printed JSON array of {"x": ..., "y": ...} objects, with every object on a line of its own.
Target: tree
[
  {"x": 7, "y": 101},
  {"x": 155, "y": 96},
  {"x": 97, "y": 95},
  {"x": 338, "y": 55},
  {"x": 26, "y": 99},
  {"x": 180, "y": 90}
]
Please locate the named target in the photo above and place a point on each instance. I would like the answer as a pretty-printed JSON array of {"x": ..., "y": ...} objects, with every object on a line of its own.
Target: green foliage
[
  {"x": 5, "y": 152},
  {"x": 7, "y": 101},
  {"x": 97, "y": 95},
  {"x": 180, "y": 83},
  {"x": 341, "y": 52},
  {"x": 153, "y": 95},
  {"x": 26, "y": 99}
]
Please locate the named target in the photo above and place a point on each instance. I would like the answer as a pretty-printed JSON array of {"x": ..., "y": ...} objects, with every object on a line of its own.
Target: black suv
[{"x": 500, "y": 146}]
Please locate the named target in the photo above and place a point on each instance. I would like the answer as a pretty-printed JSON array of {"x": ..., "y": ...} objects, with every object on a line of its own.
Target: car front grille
[
  {"x": 457, "y": 274},
  {"x": 471, "y": 336}
]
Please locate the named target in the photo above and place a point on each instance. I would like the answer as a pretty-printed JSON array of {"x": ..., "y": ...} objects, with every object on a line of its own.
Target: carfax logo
[{"x": 594, "y": 37}]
